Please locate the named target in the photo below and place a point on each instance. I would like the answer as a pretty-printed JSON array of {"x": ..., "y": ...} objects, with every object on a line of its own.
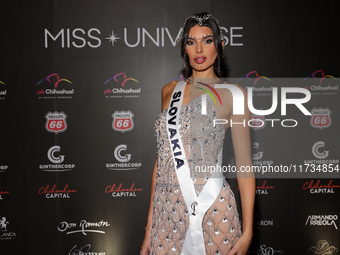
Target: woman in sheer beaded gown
[{"x": 171, "y": 226}]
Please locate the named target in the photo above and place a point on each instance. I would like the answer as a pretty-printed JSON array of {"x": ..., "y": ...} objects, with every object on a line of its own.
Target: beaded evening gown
[{"x": 202, "y": 143}]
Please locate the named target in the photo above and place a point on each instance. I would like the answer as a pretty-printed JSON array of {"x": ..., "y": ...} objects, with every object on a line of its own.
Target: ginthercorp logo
[
  {"x": 319, "y": 153},
  {"x": 56, "y": 122},
  {"x": 121, "y": 92},
  {"x": 5, "y": 233},
  {"x": 322, "y": 157},
  {"x": 3, "y": 91},
  {"x": 323, "y": 247},
  {"x": 321, "y": 118},
  {"x": 2, "y": 193},
  {"x": 84, "y": 250},
  {"x": 322, "y": 220},
  {"x": 257, "y": 155},
  {"x": 83, "y": 227},
  {"x": 119, "y": 191},
  {"x": 122, "y": 121},
  {"x": 53, "y": 154},
  {"x": 54, "y": 192},
  {"x": 316, "y": 187},
  {"x": 319, "y": 85},
  {"x": 123, "y": 158},
  {"x": 132, "y": 37},
  {"x": 58, "y": 90}
]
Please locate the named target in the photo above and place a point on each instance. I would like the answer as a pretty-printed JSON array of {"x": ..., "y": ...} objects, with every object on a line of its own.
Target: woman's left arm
[{"x": 240, "y": 134}]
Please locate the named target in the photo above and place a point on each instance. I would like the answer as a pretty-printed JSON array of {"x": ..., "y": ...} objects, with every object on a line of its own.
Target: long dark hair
[{"x": 210, "y": 23}]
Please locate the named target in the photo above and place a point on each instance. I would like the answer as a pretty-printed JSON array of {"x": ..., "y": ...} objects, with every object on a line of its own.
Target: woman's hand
[
  {"x": 145, "y": 249},
  {"x": 242, "y": 245}
]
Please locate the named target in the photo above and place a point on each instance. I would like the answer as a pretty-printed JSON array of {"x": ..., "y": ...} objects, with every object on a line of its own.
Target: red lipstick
[{"x": 200, "y": 59}]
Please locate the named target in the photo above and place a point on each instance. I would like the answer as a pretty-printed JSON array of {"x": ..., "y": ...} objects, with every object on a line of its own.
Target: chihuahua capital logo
[
  {"x": 122, "y": 92},
  {"x": 56, "y": 92}
]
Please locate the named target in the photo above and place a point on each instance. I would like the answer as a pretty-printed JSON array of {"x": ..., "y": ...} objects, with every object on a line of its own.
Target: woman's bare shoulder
[
  {"x": 166, "y": 93},
  {"x": 168, "y": 88}
]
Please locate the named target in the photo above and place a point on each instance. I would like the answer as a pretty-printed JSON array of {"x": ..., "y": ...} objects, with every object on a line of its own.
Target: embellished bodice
[{"x": 202, "y": 143}]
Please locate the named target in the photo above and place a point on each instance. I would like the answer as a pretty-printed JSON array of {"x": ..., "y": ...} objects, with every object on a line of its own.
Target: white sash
[{"x": 197, "y": 206}]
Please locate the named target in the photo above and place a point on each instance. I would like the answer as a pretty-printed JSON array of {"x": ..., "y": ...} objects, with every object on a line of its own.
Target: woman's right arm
[{"x": 145, "y": 249}]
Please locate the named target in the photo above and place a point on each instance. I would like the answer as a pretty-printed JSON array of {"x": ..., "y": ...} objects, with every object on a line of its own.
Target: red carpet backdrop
[{"x": 80, "y": 89}]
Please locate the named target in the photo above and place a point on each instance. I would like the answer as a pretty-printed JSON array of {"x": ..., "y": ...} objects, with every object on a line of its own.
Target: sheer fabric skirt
[{"x": 221, "y": 225}]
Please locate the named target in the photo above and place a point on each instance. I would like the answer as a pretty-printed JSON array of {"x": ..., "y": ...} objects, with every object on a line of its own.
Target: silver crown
[{"x": 200, "y": 22}]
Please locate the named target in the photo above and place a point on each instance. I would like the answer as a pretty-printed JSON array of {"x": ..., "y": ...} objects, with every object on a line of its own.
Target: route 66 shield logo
[
  {"x": 321, "y": 118},
  {"x": 56, "y": 122},
  {"x": 122, "y": 121},
  {"x": 257, "y": 122}
]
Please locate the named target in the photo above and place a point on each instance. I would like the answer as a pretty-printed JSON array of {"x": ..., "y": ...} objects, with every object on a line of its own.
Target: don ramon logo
[{"x": 83, "y": 227}]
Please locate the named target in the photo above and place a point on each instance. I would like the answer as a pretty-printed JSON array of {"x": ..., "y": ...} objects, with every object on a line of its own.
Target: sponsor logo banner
[
  {"x": 83, "y": 227},
  {"x": 266, "y": 250},
  {"x": 3, "y": 193},
  {"x": 257, "y": 156},
  {"x": 3, "y": 168},
  {"x": 122, "y": 121},
  {"x": 123, "y": 91},
  {"x": 53, "y": 154},
  {"x": 123, "y": 159},
  {"x": 321, "y": 118},
  {"x": 322, "y": 163},
  {"x": 84, "y": 250},
  {"x": 323, "y": 247},
  {"x": 3, "y": 91},
  {"x": 264, "y": 188},
  {"x": 57, "y": 91},
  {"x": 56, "y": 122},
  {"x": 320, "y": 84},
  {"x": 53, "y": 192},
  {"x": 261, "y": 223},
  {"x": 322, "y": 220},
  {"x": 257, "y": 121},
  {"x": 315, "y": 187},
  {"x": 119, "y": 191},
  {"x": 5, "y": 233}
]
